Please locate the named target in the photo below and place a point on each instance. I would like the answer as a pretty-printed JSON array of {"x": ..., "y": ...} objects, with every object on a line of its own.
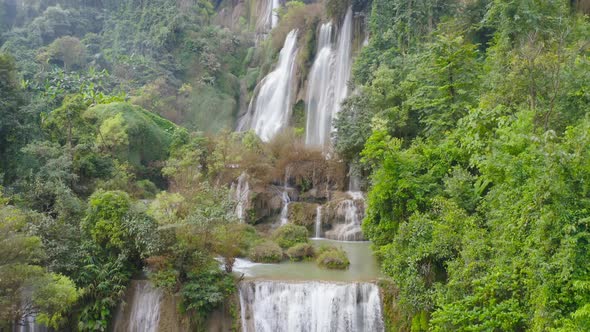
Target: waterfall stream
[
  {"x": 241, "y": 194},
  {"x": 320, "y": 93},
  {"x": 270, "y": 109},
  {"x": 268, "y": 17},
  {"x": 274, "y": 306},
  {"x": 318, "y": 222},
  {"x": 143, "y": 313},
  {"x": 29, "y": 325},
  {"x": 285, "y": 211},
  {"x": 343, "y": 61},
  {"x": 350, "y": 214},
  {"x": 328, "y": 81},
  {"x": 274, "y": 16}
]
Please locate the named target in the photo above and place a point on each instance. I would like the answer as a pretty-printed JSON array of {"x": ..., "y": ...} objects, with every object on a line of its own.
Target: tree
[
  {"x": 104, "y": 219},
  {"x": 26, "y": 288},
  {"x": 69, "y": 51},
  {"x": 11, "y": 120}
]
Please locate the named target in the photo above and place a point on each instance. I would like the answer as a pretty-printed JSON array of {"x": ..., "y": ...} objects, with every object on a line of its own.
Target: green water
[{"x": 363, "y": 266}]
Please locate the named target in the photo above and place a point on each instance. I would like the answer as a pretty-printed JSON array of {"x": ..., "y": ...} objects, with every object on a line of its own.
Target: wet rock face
[
  {"x": 268, "y": 202},
  {"x": 265, "y": 204},
  {"x": 344, "y": 215},
  {"x": 146, "y": 308},
  {"x": 303, "y": 214}
]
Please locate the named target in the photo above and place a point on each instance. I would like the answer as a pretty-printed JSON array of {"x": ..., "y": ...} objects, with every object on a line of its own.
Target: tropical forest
[{"x": 295, "y": 165}]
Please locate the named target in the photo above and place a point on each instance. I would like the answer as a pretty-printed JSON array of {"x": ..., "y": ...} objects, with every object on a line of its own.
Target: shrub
[
  {"x": 333, "y": 258},
  {"x": 266, "y": 252},
  {"x": 145, "y": 189},
  {"x": 297, "y": 16},
  {"x": 303, "y": 214},
  {"x": 249, "y": 237},
  {"x": 300, "y": 251},
  {"x": 290, "y": 234}
]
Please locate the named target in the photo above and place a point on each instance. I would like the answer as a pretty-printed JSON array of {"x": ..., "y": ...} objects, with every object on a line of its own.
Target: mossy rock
[
  {"x": 333, "y": 258},
  {"x": 266, "y": 252},
  {"x": 301, "y": 251},
  {"x": 289, "y": 235},
  {"x": 303, "y": 214}
]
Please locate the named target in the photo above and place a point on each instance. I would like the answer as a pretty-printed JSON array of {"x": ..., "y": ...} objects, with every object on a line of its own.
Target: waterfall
[
  {"x": 328, "y": 81},
  {"x": 318, "y": 222},
  {"x": 349, "y": 214},
  {"x": 272, "y": 306},
  {"x": 285, "y": 210},
  {"x": 144, "y": 311},
  {"x": 343, "y": 61},
  {"x": 241, "y": 194},
  {"x": 270, "y": 109},
  {"x": 268, "y": 18},
  {"x": 274, "y": 20},
  {"x": 320, "y": 91},
  {"x": 354, "y": 183},
  {"x": 29, "y": 325}
]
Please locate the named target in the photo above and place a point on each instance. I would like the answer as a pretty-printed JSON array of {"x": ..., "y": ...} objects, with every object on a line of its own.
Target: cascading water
[
  {"x": 285, "y": 210},
  {"x": 274, "y": 18},
  {"x": 320, "y": 92},
  {"x": 241, "y": 194},
  {"x": 328, "y": 81},
  {"x": 272, "y": 306},
  {"x": 349, "y": 215},
  {"x": 268, "y": 18},
  {"x": 270, "y": 109},
  {"x": 318, "y": 222},
  {"x": 29, "y": 325},
  {"x": 285, "y": 197},
  {"x": 144, "y": 313},
  {"x": 343, "y": 61}
]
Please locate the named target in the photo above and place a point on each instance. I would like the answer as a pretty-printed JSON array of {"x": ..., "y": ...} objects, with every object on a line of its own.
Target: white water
[
  {"x": 241, "y": 194},
  {"x": 343, "y": 61},
  {"x": 144, "y": 313},
  {"x": 268, "y": 18},
  {"x": 273, "y": 306},
  {"x": 320, "y": 91},
  {"x": 354, "y": 184},
  {"x": 318, "y": 222},
  {"x": 285, "y": 210},
  {"x": 29, "y": 325},
  {"x": 274, "y": 20},
  {"x": 270, "y": 109},
  {"x": 328, "y": 81},
  {"x": 349, "y": 214}
]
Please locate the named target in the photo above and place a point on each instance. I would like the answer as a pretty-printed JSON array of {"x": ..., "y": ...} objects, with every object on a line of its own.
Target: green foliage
[
  {"x": 67, "y": 124},
  {"x": 471, "y": 206},
  {"x": 104, "y": 221},
  {"x": 302, "y": 214},
  {"x": 301, "y": 251},
  {"x": 299, "y": 118},
  {"x": 296, "y": 16},
  {"x": 289, "y": 235},
  {"x": 135, "y": 135},
  {"x": 332, "y": 258},
  {"x": 53, "y": 298},
  {"x": 25, "y": 287},
  {"x": 67, "y": 50},
  {"x": 266, "y": 252},
  {"x": 12, "y": 121},
  {"x": 207, "y": 290},
  {"x": 336, "y": 9},
  {"x": 104, "y": 280}
]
